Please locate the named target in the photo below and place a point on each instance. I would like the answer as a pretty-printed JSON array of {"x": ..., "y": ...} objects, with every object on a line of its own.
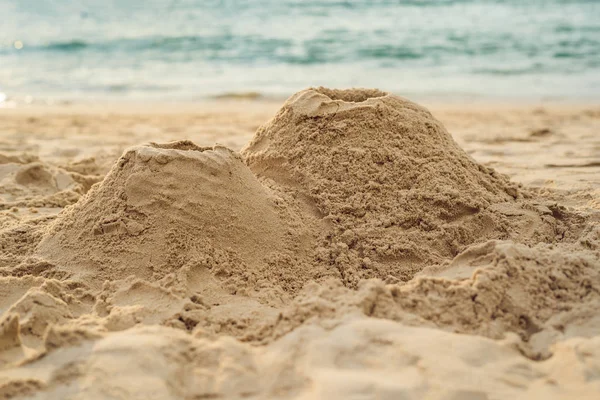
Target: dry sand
[{"x": 344, "y": 245}]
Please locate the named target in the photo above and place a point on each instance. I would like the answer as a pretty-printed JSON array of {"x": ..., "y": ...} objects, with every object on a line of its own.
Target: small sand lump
[{"x": 161, "y": 206}]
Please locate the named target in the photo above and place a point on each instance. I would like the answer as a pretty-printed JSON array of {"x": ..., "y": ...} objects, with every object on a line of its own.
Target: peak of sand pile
[
  {"x": 395, "y": 188},
  {"x": 163, "y": 206}
]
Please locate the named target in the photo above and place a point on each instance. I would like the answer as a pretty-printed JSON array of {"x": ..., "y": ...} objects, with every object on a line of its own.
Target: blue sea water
[{"x": 190, "y": 49}]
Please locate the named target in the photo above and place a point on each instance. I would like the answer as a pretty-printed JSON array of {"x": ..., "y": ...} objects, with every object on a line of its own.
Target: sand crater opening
[
  {"x": 351, "y": 95},
  {"x": 185, "y": 145}
]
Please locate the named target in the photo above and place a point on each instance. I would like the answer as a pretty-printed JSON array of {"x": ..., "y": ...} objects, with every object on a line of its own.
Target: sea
[{"x": 197, "y": 49}]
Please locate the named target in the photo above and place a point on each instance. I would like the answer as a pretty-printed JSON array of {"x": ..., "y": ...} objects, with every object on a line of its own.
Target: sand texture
[{"x": 345, "y": 244}]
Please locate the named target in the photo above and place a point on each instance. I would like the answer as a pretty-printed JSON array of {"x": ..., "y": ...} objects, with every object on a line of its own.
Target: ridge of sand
[{"x": 351, "y": 248}]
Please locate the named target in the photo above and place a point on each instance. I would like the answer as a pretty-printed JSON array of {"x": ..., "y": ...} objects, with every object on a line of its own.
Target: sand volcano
[
  {"x": 162, "y": 206},
  {"x": 397, "y": 189}
]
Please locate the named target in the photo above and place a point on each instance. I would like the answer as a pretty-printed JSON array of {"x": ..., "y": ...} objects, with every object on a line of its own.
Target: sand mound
[
  {"x": 34, "y": 183},
  {"x": 164, "y": 206},
  {"x": 397, "y": 191}
]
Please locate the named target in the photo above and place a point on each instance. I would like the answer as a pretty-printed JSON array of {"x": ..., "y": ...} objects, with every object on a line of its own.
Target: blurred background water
[{"x": 191, "y": 49}]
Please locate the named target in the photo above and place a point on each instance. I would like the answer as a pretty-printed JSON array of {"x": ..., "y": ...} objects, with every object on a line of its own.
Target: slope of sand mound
[
  {"x": 398, "y": 192},
  {"x": 352, "y": 249},
  {"x": 544, "y": 294}
]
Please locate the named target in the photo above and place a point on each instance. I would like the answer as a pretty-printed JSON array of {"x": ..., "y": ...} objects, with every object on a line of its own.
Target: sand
[{"x": 345, "y": 244}]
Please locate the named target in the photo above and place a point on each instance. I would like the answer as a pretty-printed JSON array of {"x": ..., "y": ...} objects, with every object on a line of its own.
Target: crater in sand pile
[
  {"x": 398, "y": 191},
  {"x": 162, "y": 206}
]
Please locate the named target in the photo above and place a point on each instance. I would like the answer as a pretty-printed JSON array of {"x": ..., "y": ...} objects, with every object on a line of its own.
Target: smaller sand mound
[
  {"x": 397, "y": 189},
  {"x": 38, "y": 184},
  {"x": 163, "y": 206}
]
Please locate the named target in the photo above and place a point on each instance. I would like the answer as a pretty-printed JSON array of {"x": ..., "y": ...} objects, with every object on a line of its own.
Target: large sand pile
[
  {"x": 395, "y": 189},
  {"x": 343, "y": 252}
]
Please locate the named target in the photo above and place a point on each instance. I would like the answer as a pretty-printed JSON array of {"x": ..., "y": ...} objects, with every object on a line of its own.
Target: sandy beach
[{"x": 340, "y": 244}]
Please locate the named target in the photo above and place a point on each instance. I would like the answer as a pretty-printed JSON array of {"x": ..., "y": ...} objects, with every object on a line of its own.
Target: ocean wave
[
  {"x": 329, "y": 47},
  {"x": 510, "y": 71},
  {"x": 71, "y": 45},
  {"x": 388, "y": 51}
]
